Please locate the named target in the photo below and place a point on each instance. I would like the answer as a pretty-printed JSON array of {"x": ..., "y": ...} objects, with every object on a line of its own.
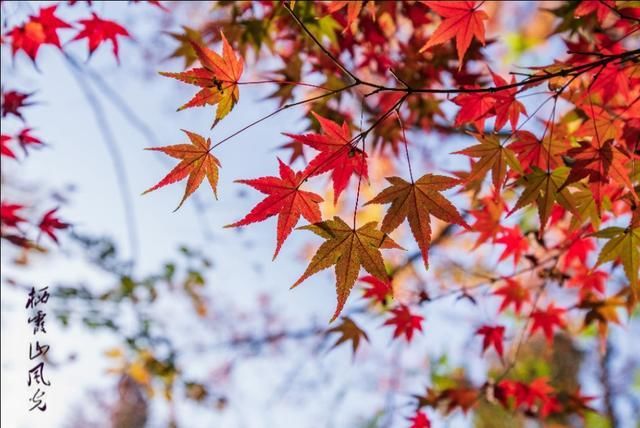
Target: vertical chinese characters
[{"x": 36, "y": 379}]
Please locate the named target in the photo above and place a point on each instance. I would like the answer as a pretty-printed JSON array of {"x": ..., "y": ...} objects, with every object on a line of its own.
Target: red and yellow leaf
[
  {"x": 218, "y": 77},
  {"x": 196, "y": 162}
]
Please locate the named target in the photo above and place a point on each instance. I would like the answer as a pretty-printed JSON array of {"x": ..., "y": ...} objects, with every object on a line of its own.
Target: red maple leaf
[
  {"x": 378, "y": 290},
  {"x": 13, "y": 101},
  {"x": 588, "y": 280},
  {"x": 531, "y": 151},
  {"x": 602, "y": 8},
  {"x": 492, "y": 336},
  {"x": 600, "y": 162},
  {"x": 9, "y": 214},
  {"x": 462, "y": 20},
  {"x": 536, "y": 395},
  {"x": 487, "y": 218},
  {"x": 579, "y": 249},
  {"x": 515, "y": 243},
  {"x": 97, "y": 31},
  {"x": 337, "y": 154},
  {"x": 25, "y": 139},
  {"x": 507, "y": 107},
  {"x": 38, "y": 30},
  {"x": 284, "y": 199},
  {"x": 5, "y": 150},
  {"x": 405, "y": 322},
  {"x": 539, "y": 390},
  {"x": 420, "y": 420},
  {"x": 546, "y": 320},
  {"x": 50, "y": 223},
  {"x": 475, "y": 108},
  {"x": 507, "y": 389},
  {"x": 513, "y": 293}
]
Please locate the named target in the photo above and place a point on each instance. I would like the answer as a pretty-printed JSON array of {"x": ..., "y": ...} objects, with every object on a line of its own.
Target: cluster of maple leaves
[
  {"x": 579, "y": 173},
  {"x": 39, "y": 29},
  {"x": 42, "y": 29}
]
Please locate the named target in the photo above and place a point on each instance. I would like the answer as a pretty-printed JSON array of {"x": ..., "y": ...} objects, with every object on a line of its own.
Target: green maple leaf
[
  {"x": 623, "y": 244},
  {"x": 545, "y": 188}
]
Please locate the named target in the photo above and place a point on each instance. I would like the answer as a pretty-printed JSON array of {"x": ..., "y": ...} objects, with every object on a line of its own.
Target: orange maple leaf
[
  {"x": 416, "y": 202},
  {"x": 218, "y": 77},
  {"x": 196, "y": 162}
]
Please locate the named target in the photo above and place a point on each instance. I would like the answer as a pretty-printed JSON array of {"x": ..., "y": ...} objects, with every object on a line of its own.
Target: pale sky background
[{"x": 77, "y": 155}]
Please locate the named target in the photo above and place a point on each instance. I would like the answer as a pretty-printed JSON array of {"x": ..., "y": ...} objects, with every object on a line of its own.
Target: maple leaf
[
  {"x": 578, "y": 249},
  {"x": 462, "y": 21},
  {"x": 508, "y": 389},
  {"x": 600, "y": 163},
  {"x": 546, "y": 320},
  {"x": 97, "y": 31},
  {"x": 487, "y": 219},
  {"x": 218, "y": 77},
  {"x": 601, "y": 124},
  {"x": 38, "y": 30},
  {"x": 492, "y": 336},
  {"x": 337, "y": 154},
  {"x": 50, "y": 223},
  {"x": 9, "y": 214},
  {"x": 611, "y": 82},
  {"x": 416, "y": 201},
  {"x": 507, "y": 107},
  {"x": 348, "y": 249},
  {"x": 378, "y": 290},
  {"x": 5, "y": 150},
  {"x": 51, "y": 24},
  {"x": 515, "y": 243},
  {"x": 545, "y": 188},
  {"x": 13, "y": 102},
  {"x": 589, "y": 281},
  {"x": 25, "y": 139},
  {"x": 532, "y": 151},
  {"x": 465, "y": 398},
  {"x": 585, "y": 207},
  {"x": 475, "y": 108},
  {"x": 540, "y": 391},
  {"x": 284, "y": 199},
  {"x": 602, "y": 311},
  {"x": 602, "y": 8},
  {"x": 196, "y": 162},
  {"x": 491, "y": 156},
  {"x": 353, "y": 11},
  {"x": 513, "y": 293},
  {"x": 185, "y": 50},
  {"x": 28, "y": 38},
  {"x": 429, "y": 399},
  {"x": 420, "y": 420},
  {"x": 349, "y": 331},
  {"x": 623, "y": 244},
  {"x": 405, "y": 322},
  {"x": 297, "y": 150}
]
